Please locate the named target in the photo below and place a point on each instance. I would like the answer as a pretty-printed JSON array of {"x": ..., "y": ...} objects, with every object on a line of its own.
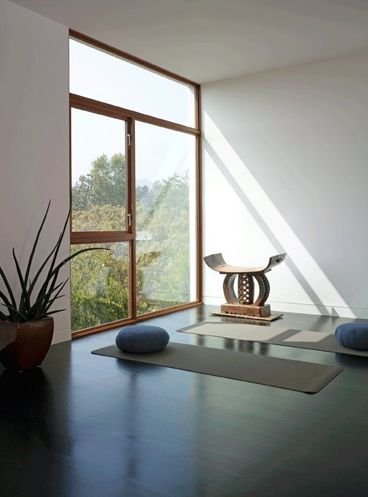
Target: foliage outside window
[{"x": 100, "y": 279}]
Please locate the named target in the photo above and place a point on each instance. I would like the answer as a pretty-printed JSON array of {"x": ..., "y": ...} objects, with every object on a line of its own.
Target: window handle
[{"x": 129, "y": 219}]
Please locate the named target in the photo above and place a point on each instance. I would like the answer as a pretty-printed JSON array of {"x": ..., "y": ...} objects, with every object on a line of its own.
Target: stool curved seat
[{"x": 217, "y": 263}]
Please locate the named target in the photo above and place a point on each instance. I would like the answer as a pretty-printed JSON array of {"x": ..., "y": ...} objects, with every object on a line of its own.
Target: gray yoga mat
[
  {"x": 283, "y": 373},
  {"x": 313, "y": 340}
]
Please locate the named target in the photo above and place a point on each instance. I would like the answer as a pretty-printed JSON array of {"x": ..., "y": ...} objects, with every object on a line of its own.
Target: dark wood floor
[{"x": 92, "y": 426}]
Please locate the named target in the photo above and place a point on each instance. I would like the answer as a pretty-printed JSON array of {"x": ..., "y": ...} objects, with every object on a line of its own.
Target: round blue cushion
[
  {"x": 142, "y": 339},
  {"x": 353, "y": 335}
]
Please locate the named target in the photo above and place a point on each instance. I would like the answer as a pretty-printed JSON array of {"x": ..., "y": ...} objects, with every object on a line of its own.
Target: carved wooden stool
[{"x": 244, "y": 304}]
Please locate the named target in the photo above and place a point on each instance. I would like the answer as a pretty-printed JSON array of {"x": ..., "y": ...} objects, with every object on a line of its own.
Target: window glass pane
[
  {"x": 98, "y": 172},
  {"x": 107, "y": 78},
  {"x": 99, "y": 285},
  {"x": 165, "y": 196}
]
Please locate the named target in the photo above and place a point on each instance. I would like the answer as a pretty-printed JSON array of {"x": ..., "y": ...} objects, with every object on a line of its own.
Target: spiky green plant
[{"x": 32, "y": 306}]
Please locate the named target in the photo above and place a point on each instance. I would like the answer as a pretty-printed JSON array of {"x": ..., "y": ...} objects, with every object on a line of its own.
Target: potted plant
[{"x": 26, "y": 324}]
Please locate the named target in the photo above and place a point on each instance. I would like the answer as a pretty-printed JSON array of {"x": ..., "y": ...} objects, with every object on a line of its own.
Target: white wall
[
  {"x": 286, "y": 169},
  {"x": 34, "y": 124}
]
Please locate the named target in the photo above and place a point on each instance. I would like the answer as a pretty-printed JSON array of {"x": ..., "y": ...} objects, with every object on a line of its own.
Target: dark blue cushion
[
  {"x": 353, "y": 335},
  {"x": 142, "y": 339}
]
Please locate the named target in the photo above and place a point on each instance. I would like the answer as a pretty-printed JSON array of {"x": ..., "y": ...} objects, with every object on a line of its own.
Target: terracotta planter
[{"x": 25, "y": 345}]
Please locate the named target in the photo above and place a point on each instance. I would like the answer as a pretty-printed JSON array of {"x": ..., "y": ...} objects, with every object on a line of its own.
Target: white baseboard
[{"x": 302, "y": 308}]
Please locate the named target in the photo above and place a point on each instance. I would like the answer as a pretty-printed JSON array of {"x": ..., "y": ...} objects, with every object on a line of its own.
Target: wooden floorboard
[{"x": 92, "y": 426}]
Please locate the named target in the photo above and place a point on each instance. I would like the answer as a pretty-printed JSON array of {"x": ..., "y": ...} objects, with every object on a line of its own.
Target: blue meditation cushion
[
  {"x": 142, "y": 339},
  {"x": 353, "y": 335}
]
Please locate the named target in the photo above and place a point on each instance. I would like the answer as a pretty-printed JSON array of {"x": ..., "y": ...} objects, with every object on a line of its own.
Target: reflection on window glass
[
  {"x": 98, "y": 172},
  {"x": 165, "y": 196},
  {"x": 99, "y": 285},
  {"x": 104, "y": 77}
]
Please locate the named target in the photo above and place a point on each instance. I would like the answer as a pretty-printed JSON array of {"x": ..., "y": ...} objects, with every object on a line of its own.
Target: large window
[{"x": 135, "y": 188}]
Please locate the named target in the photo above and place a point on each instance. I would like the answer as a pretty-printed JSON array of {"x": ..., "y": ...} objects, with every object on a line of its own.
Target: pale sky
[{"x": 159, "y": 152}]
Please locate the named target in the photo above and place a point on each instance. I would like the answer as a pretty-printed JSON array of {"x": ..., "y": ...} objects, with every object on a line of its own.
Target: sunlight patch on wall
[{"x": 242, "y": 210}]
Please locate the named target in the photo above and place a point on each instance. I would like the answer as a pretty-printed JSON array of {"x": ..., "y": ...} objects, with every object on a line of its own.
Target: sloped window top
[{"x": 111, "y": 79}]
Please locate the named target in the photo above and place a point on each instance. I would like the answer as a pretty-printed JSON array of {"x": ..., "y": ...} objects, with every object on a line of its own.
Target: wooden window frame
[{"x": 130, "y": 117}]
